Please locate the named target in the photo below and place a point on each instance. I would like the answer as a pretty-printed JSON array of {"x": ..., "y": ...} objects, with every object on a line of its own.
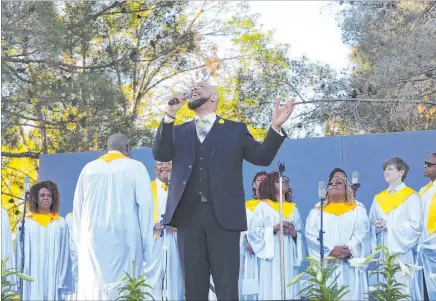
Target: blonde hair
[{"x": 349, "y": 193}]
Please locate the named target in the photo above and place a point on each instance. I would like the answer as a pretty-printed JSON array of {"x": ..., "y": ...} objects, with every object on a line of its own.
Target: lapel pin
[{"x": 221, "y": 121}]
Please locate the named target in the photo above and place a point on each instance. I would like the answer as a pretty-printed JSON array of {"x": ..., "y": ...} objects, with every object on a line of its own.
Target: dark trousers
[{"x": 204, "y": 247}]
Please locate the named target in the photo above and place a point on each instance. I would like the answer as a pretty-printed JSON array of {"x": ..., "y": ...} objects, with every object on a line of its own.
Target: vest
[{"x": 199, "y": 182}]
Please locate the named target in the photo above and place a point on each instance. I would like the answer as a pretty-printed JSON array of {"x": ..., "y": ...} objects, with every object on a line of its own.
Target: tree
[
  {"x": 76, "y": 72},
  {"x": 393, "y": 55}
]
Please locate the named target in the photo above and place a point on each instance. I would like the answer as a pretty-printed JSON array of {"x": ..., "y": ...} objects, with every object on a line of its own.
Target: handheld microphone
[
  {"x": 355, "y": 182},
  {"x": 173, "y": 101},
  {"x": 355, "y": 177},
  {"x": 322, "y": 190},
  {"x": 26, "y": 184}
]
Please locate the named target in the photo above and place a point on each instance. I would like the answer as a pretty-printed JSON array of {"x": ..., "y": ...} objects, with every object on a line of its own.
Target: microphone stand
[
  {"x": 165, "y": 252},
  {"x": 354, "y": 187},
  {"x": 22, "y": 243},
  {"x": 321, "y": 232},
  {"x": 282, "y": 263}
]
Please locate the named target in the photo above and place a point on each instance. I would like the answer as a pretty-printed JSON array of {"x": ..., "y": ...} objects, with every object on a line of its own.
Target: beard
[{"x": 198, "y": 102}]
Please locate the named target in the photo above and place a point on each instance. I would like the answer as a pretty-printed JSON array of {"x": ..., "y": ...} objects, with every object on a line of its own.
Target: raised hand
[{"x": 280, "y": 115}]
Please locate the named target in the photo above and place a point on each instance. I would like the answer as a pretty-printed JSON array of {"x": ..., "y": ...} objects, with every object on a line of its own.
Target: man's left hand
[{"x": 280, "y": 115}]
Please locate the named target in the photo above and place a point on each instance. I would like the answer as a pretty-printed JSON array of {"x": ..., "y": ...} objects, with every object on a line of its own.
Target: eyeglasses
[{"x": 429, "y": 164}]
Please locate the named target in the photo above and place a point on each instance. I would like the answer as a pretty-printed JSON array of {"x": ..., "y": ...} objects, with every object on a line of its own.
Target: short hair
[
  {"x": 399, "y": 164},
  {"x": 267, "y": 189},
  {"x": 337, "y": 169},
  {"x": 260, "y": 173},
  {"x": 34, "y": 196},
  {"x": 118, "y": 142}
]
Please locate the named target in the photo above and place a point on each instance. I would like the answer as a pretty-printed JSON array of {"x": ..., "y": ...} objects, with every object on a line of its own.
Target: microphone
[
  {"x": 355, "y": 177},
  {"x": 173, "y": 101},
  {"x": 26, "y": 184},
  {"x": 322, "y": 190},
  {"x": 355, "y": 182}
]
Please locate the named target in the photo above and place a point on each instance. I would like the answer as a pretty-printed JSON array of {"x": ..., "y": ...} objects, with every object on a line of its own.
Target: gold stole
[
  {"x": 44, "y": 218},
  {"x": 431, "y": 222},
  {"x": 155, "y": 202},
  {"x": 339, "y": 208},
  {"x": 111, "y": 156},
  {"x": 288, "y": 208},
  {"x": 389, "y": 201},
  {"x": 426, "y": 188},
  {"x": 251, "y": 204}
]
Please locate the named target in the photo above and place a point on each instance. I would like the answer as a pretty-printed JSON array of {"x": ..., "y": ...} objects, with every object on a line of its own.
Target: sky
[
  {"x": 308, "y": 26},
  {"x": 311, "y": 29}
]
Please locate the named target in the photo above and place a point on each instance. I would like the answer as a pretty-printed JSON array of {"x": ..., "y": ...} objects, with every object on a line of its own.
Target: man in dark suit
[{"x": 206, "y": 195}]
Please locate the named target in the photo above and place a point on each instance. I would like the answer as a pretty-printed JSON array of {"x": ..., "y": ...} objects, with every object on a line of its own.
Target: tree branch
[
  {"x": 412, "y": 101},
  {"x": 32, "y": 155},
  {"x": 55, "y": 63}
]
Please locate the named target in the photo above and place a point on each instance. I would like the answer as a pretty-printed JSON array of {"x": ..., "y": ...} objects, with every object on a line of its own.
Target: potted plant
[
  {"x": 321, "y": 285},
  {"x": 134, "y": 286},
  {"x": 8, "y": 275},
  {"x": 389, "y": 289}
]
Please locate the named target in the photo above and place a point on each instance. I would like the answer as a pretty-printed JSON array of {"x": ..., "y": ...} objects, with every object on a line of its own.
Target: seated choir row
[{"x": 399, "y": 218}]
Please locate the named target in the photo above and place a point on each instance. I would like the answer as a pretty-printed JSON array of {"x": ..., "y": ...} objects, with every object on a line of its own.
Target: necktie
[
  {"x": 203, "y": 127},
  {"x": 164, "y": 186}
]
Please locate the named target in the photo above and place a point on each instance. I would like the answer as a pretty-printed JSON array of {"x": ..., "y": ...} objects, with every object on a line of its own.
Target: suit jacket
[{"x": 232, "y": 144}]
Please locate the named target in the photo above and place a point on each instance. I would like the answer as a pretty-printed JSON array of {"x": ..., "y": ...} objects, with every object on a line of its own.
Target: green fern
[
  {"x": 135, "y": 287},
  {"x": 8, "y": 293},
  {"x": 389, "y": 289},
  {"x": 320, "y": 285}
]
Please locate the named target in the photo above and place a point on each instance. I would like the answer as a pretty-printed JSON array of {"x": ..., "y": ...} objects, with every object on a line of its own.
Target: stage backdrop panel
[{"x": 307, "y": 161}]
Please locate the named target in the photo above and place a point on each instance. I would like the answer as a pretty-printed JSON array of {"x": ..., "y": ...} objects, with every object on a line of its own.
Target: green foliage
[
  {"x": 321, "y": 285},
  {"x": 134, "y": 286},
  {"x": 388, "y": 289},
  {"x": 8, "y": 293},
  {"x": 75, "y": 72}
]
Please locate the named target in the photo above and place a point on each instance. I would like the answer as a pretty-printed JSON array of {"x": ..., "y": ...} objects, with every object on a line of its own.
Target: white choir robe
[
  {"x": 112, "y": 225},
  {"x": 248, "y": 268},
  {"x": 266, "y": 246},
  {"x": 155, "y": 269},
  {"x": 349, "y": 229},
  {"x": 7, "y": 249},
  {"x": 404, "y": 228},
  {"x": 427, "y": 244},
  {"x": 46, "y": 260},
  {"x": 73, "y": 257}
]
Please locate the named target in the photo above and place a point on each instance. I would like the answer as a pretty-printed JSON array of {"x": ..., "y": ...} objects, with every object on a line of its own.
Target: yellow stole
[
  {"x": 389, "y": 201},
  {"x": 426, "y": 188},
  {"x": 44, "y": 218},
  {"x": 251, "y": 204},
  {"x": 431, "y": 222},
  {"x": 339, "y": 208},
  {"x": 288, "y": 208},
  {"x": 155, "y": 201},
  {"x": 111, "y": 156}
]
